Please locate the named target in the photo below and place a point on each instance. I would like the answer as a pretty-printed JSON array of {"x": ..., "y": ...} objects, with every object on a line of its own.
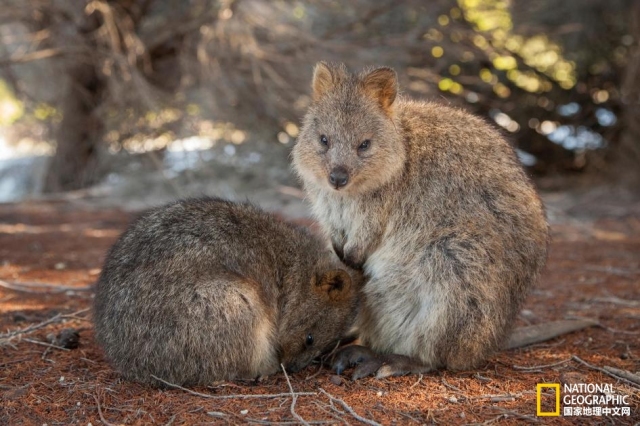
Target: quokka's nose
[{"x": 338, "y": 177}]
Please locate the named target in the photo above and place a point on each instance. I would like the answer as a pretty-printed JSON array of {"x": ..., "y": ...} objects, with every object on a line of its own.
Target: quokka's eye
[
  {"x": 364, "y": 145},
  {"x": 324, "y": 141},
  {"x": 309, "y": 340}
]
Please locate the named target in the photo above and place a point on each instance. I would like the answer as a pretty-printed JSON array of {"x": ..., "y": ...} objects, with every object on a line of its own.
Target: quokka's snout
[{"x": 339, "y": 177}]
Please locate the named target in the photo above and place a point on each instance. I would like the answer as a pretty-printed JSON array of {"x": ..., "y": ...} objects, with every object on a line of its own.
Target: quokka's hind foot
[{"x": 368, "y": 363}]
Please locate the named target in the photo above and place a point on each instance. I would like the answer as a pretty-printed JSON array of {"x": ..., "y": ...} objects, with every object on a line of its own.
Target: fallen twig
[
  {"x": 294, "y": 399},
  {"x": 497, "y": 398},
  {"x": 454, "y": 388},
  {"x": 48, "y": 288},
  {"x": 416, "y": 383},
  {"x": 267, "y": 422},
  {"x": 104, "y": 421},
  {"x": 349, "y": 409},
  {"x": 317, "y": 403},
  {"x": 48, "y": 345},
  {"x": 237, "y": 396},
  {"x": 617, "y": 301},
  {"x": 539, "y": 367},
  {"x": 32, "y": 328},
  {"x": 323, "y": 360},
  {"x": 612, "y": 270},
  {"x": 13, "y": 361},
  {"x": 515, "y": 414},
  {"x": 528, "y": 335},
  {"x": 602, "y": 370},
  {"x": 623, "y": 373}
]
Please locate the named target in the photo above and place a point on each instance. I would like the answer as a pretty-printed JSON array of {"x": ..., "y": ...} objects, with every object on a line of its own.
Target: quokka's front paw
[
  {"x": 368, "y": 363},
  {"x": 364, "y": 359}
]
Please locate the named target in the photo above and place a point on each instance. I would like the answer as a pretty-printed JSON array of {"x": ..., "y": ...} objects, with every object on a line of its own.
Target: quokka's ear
[
  {"x": 381, "y": 85},
  {"x": 335, "y": 285},
  {"x": 325, "y": 77}
]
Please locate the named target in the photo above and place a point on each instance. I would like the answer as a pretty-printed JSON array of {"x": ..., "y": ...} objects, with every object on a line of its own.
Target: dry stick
[
  {"x": 100, "y": 412},
  {"x": 238, "y": 396},
  {"x": 330, "y": 413},
  {"x": 349, "y": 409},
  {"x": 322, "y": 361},
  {"x": 294, "y": 399},
  {"x": 482, "y": 378},
  {"x": 454, "y": 388},
  {"x": 416, "y": 383},
  {"x": 515, "y": 414},
  {"x": 623, "y": 373},
  {"x": 267, "y": 422},
  {"x": 497, "y": 398},
  {"x": 30, "y": 287},
  {"x": 15, "y": 361},
  {"x": 33, "y": 328},
  {"x": 495, "y": 419},
  {"x": 525, "y": 336},
  {"x": 617, "y": 301},
  {"x": 48, "y": 345},
  {"x": 538, "y": 367},
  {"x": 602, "y": 370}
]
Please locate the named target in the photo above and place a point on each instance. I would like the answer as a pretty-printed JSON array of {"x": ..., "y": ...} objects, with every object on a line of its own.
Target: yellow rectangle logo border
[{"x": 539, "y": 411}]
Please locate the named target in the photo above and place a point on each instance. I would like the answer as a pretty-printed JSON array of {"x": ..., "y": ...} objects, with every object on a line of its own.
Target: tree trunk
[
  {"x": 627, "y": 156},
  {"x": 74, "y": 163}
]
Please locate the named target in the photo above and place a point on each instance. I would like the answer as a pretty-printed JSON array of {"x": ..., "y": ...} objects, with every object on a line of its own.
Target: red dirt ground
[{"x": 593, "y": 272}]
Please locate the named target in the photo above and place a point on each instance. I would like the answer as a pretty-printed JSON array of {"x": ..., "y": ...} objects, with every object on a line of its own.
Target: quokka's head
[
  {"x": 320, "y": 313},
  {"x": 349, "y": 142}
]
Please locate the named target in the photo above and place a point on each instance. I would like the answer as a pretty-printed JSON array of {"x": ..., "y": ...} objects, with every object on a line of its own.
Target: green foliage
[{"x": 11, "y": 108}]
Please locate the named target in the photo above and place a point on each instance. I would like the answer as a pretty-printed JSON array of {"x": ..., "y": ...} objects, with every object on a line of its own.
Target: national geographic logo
[{"x": 581, "y": 399}]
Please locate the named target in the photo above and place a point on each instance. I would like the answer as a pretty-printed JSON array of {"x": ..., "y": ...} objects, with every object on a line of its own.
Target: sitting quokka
[
  {"x": 433, "y": 204},
  {"x": 205, "y": 289}
]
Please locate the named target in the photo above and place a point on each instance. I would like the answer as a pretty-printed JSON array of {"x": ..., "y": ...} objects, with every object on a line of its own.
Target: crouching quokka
[{"x": 205, "y": 289}]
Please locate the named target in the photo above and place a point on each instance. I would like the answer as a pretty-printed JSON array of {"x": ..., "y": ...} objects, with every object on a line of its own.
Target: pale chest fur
[
  {"x": 400, "y": 305},
  {"x": 339, "y": 216}
]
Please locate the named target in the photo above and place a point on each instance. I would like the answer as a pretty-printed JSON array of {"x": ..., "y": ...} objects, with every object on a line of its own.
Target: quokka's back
[{"x": 204, "y": 290}]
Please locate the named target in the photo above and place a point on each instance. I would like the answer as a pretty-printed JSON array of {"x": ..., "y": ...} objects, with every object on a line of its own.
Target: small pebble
[
  {"x": 453, "y": 399},
  {"x": 462, "y": 415},
  {"x": 336, "y": 380},
  {"x": 526, "y": 313},
  {"x": 244, "y": 412},
  {"x": 379, "y": 393},
  {"x": 78, "y": 403},
  {"x": 61, "y": 378},
  {"x": 60, "y": 266}
]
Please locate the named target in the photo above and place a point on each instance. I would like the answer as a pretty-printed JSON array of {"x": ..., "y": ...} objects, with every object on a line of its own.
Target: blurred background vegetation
[{"x": 86, "y": 86}]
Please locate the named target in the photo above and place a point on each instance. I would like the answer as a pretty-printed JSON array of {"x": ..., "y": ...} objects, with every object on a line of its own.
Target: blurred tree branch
[{"x": 250, "y": 61}]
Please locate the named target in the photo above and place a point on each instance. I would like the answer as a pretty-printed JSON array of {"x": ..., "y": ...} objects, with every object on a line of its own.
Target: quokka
[
  {"x": 433, "y": 204},
  {"x": 204, "y": 290}
]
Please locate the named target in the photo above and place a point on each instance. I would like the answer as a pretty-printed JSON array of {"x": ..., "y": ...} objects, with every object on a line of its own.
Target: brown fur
[
  {"x": 205, "y": 290},
  {"x": 437, "y": 210}
]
